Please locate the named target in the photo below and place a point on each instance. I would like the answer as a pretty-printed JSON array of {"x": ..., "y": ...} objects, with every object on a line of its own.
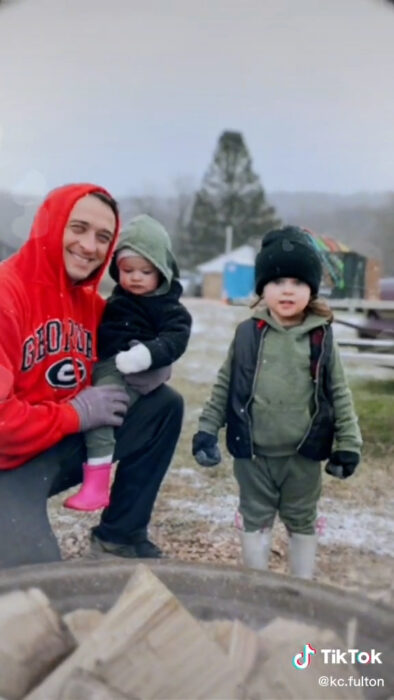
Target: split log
[
  {"x": 82, "y": 622},
  {"x": 148, "y": 645},
  {"x": 33, "y": 640},
  {"x": 82, "y": 685},
  {"x": 241, "y": 644},
  {"x": 280, "y": 641}
]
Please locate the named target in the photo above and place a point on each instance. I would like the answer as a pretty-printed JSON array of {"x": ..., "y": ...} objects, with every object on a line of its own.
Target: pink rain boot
[{"x": 94, "y": 492}]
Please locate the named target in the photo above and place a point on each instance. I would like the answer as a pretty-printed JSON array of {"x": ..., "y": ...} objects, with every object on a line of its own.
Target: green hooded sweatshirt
[
  {"x": 147, "y": 237},
  {"x": 283, "y": 402}
]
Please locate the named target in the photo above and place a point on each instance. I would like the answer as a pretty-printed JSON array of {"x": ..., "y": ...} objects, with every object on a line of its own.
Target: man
[{"x": 49, "y": 314}]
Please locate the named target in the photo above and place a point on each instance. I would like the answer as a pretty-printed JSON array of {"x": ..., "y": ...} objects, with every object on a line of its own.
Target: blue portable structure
[{"x": 238, "y": 280}]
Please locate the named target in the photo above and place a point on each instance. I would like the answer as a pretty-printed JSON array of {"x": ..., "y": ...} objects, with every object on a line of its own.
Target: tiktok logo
[{"x": 302, "y": 661}]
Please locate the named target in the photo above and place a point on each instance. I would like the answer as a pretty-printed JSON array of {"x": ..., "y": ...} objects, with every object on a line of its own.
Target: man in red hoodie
[{"x": 49, "y": 313}]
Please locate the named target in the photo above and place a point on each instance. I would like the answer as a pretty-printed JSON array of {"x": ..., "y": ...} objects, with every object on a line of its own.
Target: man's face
[{"x": 87, "y": 237}]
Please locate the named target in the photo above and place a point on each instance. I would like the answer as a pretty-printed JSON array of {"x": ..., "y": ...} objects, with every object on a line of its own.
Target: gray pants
[
  {"x": 290, "y": 486},
  {"x": 101, "y": 441}
]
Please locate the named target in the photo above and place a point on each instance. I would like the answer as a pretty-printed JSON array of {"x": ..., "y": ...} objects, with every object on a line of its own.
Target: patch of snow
[
  {"x": 220, "y": 511},
  {"x": 350, "y": 527},
  {"x": 360, "y": 529},
  {"x": 198, "y": 378},
  {"x": 193, "y": 413},
  {"x": 191, "y": 475},
  {"x": 198, "y": 327},
  {"x": 66, "y": 519}
]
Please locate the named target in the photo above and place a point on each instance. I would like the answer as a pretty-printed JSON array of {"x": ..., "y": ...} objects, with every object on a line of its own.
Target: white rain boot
[
  {"x": 256, "y": 547},
  {"x": 302, "y": 554}
]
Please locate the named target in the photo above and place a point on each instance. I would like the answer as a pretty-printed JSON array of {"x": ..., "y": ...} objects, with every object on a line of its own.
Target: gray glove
[{"x": 100, "y": 405}]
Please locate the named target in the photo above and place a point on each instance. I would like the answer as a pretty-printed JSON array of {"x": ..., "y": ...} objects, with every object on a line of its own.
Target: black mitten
[
  {"x": 342, "y": 463},
  {"x": 205, "y": 449}
]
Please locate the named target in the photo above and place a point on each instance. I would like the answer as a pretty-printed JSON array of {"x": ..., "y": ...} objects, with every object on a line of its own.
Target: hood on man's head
[
  {"x": 147, "y": 237},
  {"x": 41, "y": 257},
  {"x": 288, "y": 252}
]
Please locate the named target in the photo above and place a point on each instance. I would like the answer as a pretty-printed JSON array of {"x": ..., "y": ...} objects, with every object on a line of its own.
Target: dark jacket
[
  {"x": 281, "y": 391},
  {"x": 160, "y": 322},
  {"x": 248, "y": 347}
]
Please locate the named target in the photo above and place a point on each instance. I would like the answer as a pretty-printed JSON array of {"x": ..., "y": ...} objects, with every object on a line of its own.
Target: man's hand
[
  {"x": 100, "y": 405},
  {"x": 205, "y": 449},
  {"x": 342, "y": 463},
  {"x": 137, "y": 359}
]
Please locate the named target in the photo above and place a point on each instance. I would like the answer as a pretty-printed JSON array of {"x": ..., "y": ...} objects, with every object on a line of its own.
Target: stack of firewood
[{"x": 148, "y": 646}]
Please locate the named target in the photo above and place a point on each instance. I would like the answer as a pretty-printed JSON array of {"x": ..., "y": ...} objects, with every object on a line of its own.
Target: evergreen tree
[{"x": 230, "y": 195}]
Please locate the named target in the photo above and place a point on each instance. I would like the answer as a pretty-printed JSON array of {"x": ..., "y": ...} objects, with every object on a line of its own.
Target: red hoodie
[{"x": 47, "y": 329}]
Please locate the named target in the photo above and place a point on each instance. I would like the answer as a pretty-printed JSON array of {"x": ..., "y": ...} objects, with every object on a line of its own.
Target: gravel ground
[{"x": 195, "y": 509}]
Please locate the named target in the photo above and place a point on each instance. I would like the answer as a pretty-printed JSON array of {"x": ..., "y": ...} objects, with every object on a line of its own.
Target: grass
[{"x": 374, "y": 402}]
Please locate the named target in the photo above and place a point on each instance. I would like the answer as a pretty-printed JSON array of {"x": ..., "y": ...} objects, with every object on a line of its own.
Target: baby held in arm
[{"x": 144, "y": 330}]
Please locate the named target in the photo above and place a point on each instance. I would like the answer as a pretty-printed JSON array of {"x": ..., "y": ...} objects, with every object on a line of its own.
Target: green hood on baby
[{"x": 147, "y": 237}]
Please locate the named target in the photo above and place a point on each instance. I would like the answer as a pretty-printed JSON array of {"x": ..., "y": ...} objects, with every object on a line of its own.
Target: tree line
[{"x": 231, "y": 208}]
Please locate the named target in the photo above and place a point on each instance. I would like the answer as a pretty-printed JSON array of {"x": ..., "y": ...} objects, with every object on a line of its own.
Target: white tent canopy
[{"x": 244, "y": 255}]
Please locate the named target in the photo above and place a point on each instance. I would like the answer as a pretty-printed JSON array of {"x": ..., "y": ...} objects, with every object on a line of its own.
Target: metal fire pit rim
[{"x": 78, "y": 569}]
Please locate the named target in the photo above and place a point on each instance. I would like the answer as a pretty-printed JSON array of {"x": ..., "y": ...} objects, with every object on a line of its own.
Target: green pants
[
  {"x": 290, "y": 486},
  {"x": 101, "y": 441}
]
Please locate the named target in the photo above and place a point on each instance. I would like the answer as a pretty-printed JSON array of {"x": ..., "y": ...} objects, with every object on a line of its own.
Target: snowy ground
[{"x": 195, "y": 510}]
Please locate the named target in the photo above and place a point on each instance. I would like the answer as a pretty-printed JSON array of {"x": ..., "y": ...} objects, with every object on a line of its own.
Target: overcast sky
[{"x": 132, "y": 94}]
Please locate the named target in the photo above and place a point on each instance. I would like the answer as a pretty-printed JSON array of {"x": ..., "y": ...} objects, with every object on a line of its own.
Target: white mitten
[{"x": 137, "y": 359}]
